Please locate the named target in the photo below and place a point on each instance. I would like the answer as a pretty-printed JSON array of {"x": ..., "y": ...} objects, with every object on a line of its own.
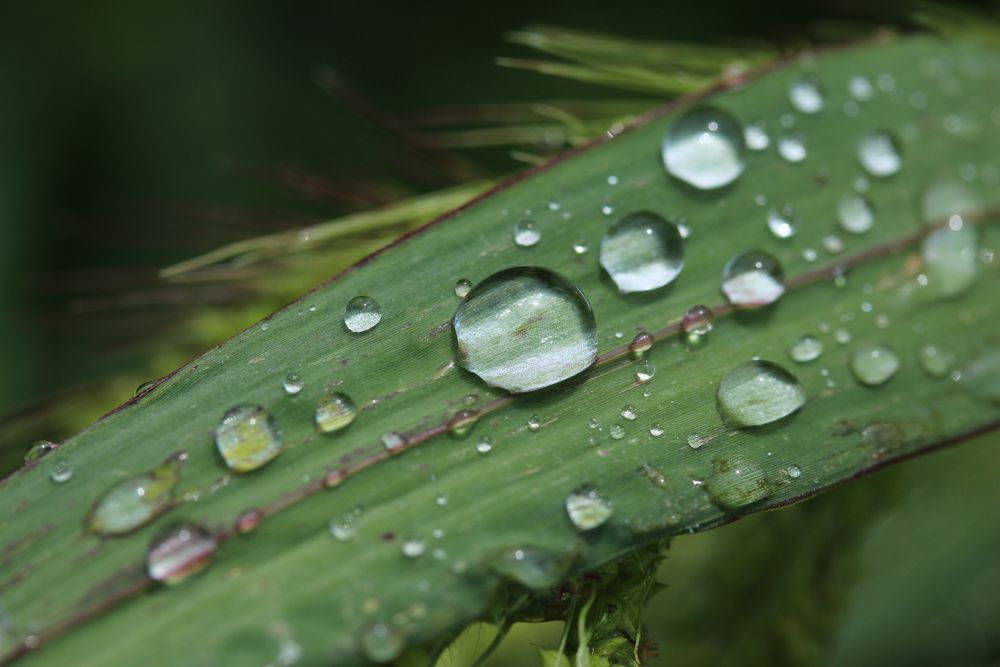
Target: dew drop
[
  {"x": 135, "y": 502},
  {"x": 855, "y": 214},
  {"x": 879, "y": 154},
  {"x": 526, "y": 234},
  {"x": 936, "y": 361},
  {"x": 755, "y": 136},
  {"x": 644, "y": 372},
  {"x": 753, "y": 279},
  {"x": 413, "y": 548},
  {"x": 759, "y": 392},
  {"x": 343, "y": 528},
  {"x": 525, "y": 328},
  {"x": 485, "y": 445},
  {"x": 950, "y": 258},
  {"x": 292, "y": 384},
  {"x": 860, "y": 88},
  {"x": 705, "y": 148},
  {"x": 793, "y": 471},
  {"x": 586, "y": 509},
  {"x": 806, "y": 349},
  {"x": 461, "y": 424},
  {"x": 629, "y": 413},
  {"x": 738, "y": 481},
  {"x": 394, "y": 443},
  {"x": 616, "y": 431},
  {"x": 698, "y": 321},
  {"x": 532, "y": 567},
  {"x": 381, "y": 643},
  {"x": 61, "y": 471},
  {"x": 179, "y": 552},
  {"x": 641, "y": 344},
  {"x": 833, "y": 244},
  {"x": 842, "y": 336},
  {"x": 39, "y": 449},
  {"x": 696, "y": 441},
  {"x": 642, "y": 252},
  {"x": 462, "y": 287},
  {"x": 873, "y": 365},
  {"x": 247, "y": 438},
  {"x": 783, "y": 222},
  {"x": 362, "y": 313},
  {"x": 806, "y": 95},
  {"x": 792, "y": 147},
  {"x": 580, "y": 247},
  {"x": 335, "y": 412},
  {"x": 656, "y": 430},
  {"x": 249, "y": 521},
  {"x": 534, "y": 423}
]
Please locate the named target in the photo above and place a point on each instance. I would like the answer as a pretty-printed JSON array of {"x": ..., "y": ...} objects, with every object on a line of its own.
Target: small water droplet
[
  {"x": 61, "y": 471},
  {"x": 485, "y": 445},
  {"x": 525, "y": 328},
  {"x": 833, "y": 244},
  {"x": 873, "y": 365},
  {"x": 860, "y": 88},
  {"x": 462, "y": 287},
  {"x": 335, "y": 412},
  {"x": 642, "y": 252},
  {"x": 532, "y": 567},
  {"x": 361, "y": 314},
  {"x": 292, "y": 384},
  {"x": 629, "y": 413},
  {"x": 641, "y": 344},
  {"x": 39, "y": 449},
  {"x": 534, "y": 423},
  {"x": 656, "y": 430},
  {"x": 698, "y": 321},
  {"x": 580, "y": 247},
  {"x": 343, "y": 528},
  {"x": 805, "y": 349},
  {"x": 783, "y": 222},
  {"x": 554, "y": 205},
  {"x": 937, "y": 362},
  {"x": 755, "y": 136},
  {"x": 249, "y": 521},
  {"x": 809, "y": 254},
  {"x": 616, "y": 431},
  {"x": 612, "y": 180},
  {"x": 704, "y": 147},
  {"x": 381, "y": 643},
  {"x": 738, "y": 481},
  {"x": 586, "y": 509},
  {"x": 413, "y": 548},
  {"x": 855, "y": 214},
  {"x": 806, "y": 95},
  {"x": 792, "y": 147},
  {"x": 793, "y": 471},
  {"x": 178, "y": 552},
  {"x": 879, "y": 154},
  {"x": 135, "y": 502},
  {"x": 526, "y": 234},
  {"x": 753, "y": 279},
  {"x": 759, "y": 392},
  {"x": 461, "y": 424},
  {"x": 842, "y": 336},
  {"x": 394, "y": 443},
  {"x": 696, "y": 441},
  {"x": 644, "y": 372}
]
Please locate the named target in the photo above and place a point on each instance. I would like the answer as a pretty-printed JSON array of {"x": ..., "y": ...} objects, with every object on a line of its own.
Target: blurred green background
[{"x": 135, "y": 135}]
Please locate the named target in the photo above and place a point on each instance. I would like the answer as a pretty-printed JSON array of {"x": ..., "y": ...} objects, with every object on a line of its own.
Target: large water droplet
[
  {"x": 879, "y": 154},
  {"x": 792, "y": 147},
  {"x": 39, "y": 449},
  {"x": 705, "y": 148},
  {"x": 247, "y": 438},
  {"x": 759, "y": 392},
  {"x": 334, "y": 412},
  {"x": 873, "y": 364},
  {"x": 753, "y": 279},
  {"x": 642, "y": 252},
  {"x": 526, "y": 328},
  {"x": 950, "y": 263},
  {"x": 382, "y": 643},
  {"x": 805, "y": 349},
  {"x": 855, "y": 214},
  {"x": 179, "y": 552},
  {"x": 526, "y": 234},
  {"x": 783, "y": 222},
  {"x": 806, "y": 95},
  {"x": 136, "y": 501},
  {"x": 362, "y": 313},
  {"x": 586, "y": 509},
  {"x": 738, "y": 481}
]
